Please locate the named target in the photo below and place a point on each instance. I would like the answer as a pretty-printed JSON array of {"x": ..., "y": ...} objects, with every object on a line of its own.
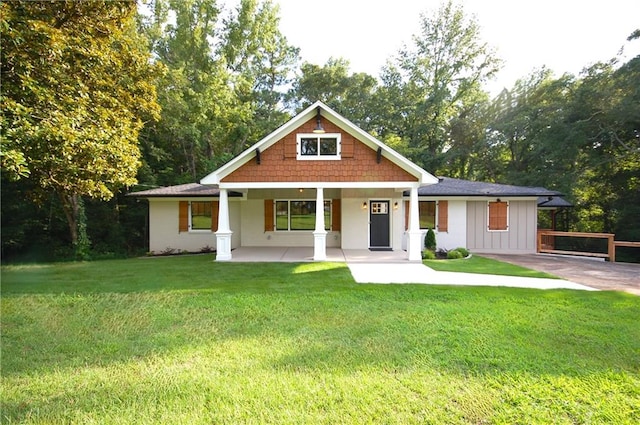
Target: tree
[
  {"x": 262, "y": 65},
  {"x": 224, "y": 84},
  {"x": 351, "y": 95},
  {"x": 430, "y": 83},
  {"x": 528, "y": 138},
  {"x": 77, "y": 84}
]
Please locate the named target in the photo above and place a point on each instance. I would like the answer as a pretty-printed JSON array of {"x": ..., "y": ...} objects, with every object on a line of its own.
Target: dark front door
[{"x": 379, "y": 235}]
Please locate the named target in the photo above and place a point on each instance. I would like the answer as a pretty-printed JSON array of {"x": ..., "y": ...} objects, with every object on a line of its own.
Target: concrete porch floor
[{"x": 303, "y": 254}]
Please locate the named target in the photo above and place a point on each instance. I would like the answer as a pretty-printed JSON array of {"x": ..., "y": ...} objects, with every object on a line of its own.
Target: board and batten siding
[{"x": 520, "y": 238}]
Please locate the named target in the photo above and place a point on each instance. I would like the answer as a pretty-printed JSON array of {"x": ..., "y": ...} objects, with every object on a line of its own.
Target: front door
[{"x": 379, "y": 234}]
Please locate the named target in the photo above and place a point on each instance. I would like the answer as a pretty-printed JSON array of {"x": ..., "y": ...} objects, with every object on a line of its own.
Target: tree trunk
[{"x": 71, "y": 207}]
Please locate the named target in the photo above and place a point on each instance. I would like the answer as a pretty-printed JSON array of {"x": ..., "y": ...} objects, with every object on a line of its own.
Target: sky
[{"x": 563, "y": 35}]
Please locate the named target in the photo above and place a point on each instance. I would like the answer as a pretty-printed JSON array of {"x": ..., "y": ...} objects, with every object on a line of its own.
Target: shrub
[
  {"x": 428, "y": 254},
  {"x": 463, "y": 251},
  {"x": 454, "y": 254},
  {"x": 430, "y": 240}
]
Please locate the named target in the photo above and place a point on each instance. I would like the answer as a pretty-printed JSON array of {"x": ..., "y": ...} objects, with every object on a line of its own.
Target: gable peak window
[{"x": 318, "y": 146}]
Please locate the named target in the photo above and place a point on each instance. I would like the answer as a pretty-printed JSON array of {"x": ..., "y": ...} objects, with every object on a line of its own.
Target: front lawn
[
  {"x": 186, "y": 340},
  {"x": 483, "y": 265}
]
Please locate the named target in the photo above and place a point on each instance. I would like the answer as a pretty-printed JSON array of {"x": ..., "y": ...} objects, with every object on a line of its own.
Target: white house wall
[
  {"x": 456, "y": 234},
  {"x": 520, "y": 238},
  {"x": 252, "y": 219},
  {"x": 355, "y": 219},
  {"x": 163, "y": 228}
]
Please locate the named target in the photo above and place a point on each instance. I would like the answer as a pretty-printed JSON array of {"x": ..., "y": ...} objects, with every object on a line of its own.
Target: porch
[{"x": 306, "y": 254}]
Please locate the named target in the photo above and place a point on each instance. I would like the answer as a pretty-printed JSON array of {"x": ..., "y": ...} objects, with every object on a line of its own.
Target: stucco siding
[
  {"x": 164, "y": 234},
  {"x": 520, "y": 236}
]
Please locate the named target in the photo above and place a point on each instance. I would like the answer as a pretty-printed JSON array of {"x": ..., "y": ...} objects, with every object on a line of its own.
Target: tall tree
[
  {"x": 224, "y": 84},
  {"x": 529, "y": 134},
  {"x": 430, "y": 83},
  {"x": 77, "y": 85},
  {"x": 262, "y": 64},
  {"x": 194, "y": 93},
  {"x": 352, "y": 95}
]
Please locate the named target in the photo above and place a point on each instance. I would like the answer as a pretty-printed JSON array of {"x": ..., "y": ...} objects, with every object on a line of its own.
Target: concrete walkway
[
  {"x": 393, "y": 267},
  {"x": 419, "y": 273}
]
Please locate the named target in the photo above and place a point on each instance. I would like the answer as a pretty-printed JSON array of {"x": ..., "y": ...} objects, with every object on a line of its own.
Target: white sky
[{"x": 564, "y": 35}]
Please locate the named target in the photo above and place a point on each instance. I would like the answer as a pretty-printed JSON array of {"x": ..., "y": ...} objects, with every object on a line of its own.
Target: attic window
[{"x": 318, "y": 147}]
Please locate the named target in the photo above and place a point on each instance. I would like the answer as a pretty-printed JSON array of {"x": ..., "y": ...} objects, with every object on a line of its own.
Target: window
[
  {"x": 314, "y": 147},
  {"x": 300, "y": 215},
  {"x": 498, "y": 216},
  {"x": 200, "y": 215},
  {"x": 427, "y": 214}
]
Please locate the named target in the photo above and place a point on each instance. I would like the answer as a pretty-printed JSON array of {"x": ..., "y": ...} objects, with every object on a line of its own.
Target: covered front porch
[{"x": 363, "y": 220}]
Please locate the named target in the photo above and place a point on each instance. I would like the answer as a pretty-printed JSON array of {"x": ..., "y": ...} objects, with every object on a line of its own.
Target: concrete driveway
[{"x": 591, "y": 272}]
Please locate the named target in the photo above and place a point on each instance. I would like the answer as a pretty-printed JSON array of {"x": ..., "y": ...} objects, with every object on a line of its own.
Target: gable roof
[
  {"x": 188, "y": 190},
  {"x": 422, "y": 176},
  {"x": 448, "y": 186}
]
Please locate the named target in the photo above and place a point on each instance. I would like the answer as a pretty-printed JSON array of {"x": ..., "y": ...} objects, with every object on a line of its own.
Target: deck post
[
  {"x": 611, "y": 247},
  {"x": 223, "y": 235},
  {"x": 319, "y": 234}
]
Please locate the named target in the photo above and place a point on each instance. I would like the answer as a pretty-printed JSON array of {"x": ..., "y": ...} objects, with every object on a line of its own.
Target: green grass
[
  {"x": 186, "y": 340},
  {"x": 482, "y": 265}
]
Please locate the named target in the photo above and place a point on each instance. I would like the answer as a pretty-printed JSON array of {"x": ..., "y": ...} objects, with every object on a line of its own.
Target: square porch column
[
  {"x": 319, "y": 234},
  {"x": 414, "y": 247},
  {"x": 223, "y": 235}
]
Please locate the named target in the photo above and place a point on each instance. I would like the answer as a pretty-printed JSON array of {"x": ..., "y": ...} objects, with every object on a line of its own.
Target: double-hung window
[
  {"x": 318, "y": 146},
  {"x": 427, "y": 214},
  {"x": 200, "y": 215},
  {"x": 300, "y": 215}
]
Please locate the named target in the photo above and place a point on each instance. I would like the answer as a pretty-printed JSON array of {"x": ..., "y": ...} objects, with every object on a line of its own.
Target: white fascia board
[
  {"x": 424, "y": 178},
  {"x": 324, "y": 185}
]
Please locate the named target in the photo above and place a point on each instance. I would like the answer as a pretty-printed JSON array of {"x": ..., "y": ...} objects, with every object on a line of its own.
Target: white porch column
[
  {"x": 223, "y": 235},
  {"x": 319, "y": 234},
  {"x": 414, "y": 247}
]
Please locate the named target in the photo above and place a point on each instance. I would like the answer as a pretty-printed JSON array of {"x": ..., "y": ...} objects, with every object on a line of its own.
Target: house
[{"x": 371, "y": 196}]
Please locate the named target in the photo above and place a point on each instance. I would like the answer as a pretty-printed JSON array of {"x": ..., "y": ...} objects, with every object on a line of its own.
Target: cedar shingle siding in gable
[{"x": 359, "y": 163}]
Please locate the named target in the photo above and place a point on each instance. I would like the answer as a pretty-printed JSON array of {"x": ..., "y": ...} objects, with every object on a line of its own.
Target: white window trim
[
  {"x": 288, "y": 230},
  {"x": 319, "y": 157},
  {"x": 191, "y": 229},
  {"x": 488, "y": 218}
]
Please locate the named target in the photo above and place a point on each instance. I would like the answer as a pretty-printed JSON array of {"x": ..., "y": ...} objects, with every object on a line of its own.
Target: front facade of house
[{"x": 370, "y": 197}]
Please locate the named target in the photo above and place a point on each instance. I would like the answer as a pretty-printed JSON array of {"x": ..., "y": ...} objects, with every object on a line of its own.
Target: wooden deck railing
[{"x": 546, "y": 243}]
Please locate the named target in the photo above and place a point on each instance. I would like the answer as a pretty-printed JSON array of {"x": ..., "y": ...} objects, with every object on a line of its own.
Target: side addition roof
[{"x": 448, "y": 186}]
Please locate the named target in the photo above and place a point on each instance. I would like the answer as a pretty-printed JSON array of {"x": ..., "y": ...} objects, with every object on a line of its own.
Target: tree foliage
[
  {"x": 77, "y": 86},
  {"x": 434, "y": 81},
  {"x": 224, "y": 85}
]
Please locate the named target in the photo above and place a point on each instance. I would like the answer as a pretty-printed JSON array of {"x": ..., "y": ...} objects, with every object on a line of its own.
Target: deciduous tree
[{"x": 77, "y": 85}]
